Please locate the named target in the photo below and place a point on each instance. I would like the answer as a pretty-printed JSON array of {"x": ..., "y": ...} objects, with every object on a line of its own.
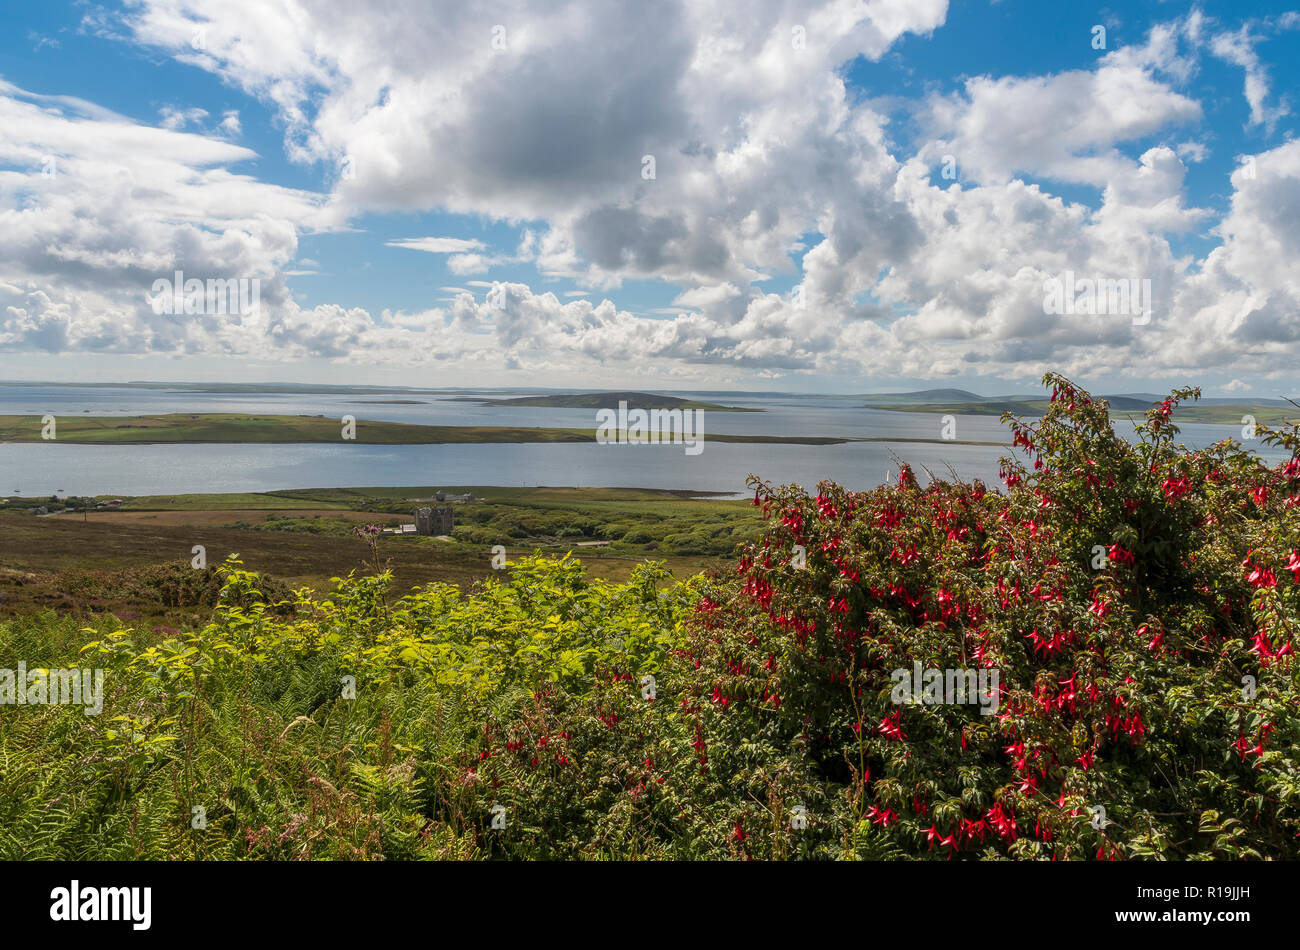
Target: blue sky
[{"x": 781, "y": 169}]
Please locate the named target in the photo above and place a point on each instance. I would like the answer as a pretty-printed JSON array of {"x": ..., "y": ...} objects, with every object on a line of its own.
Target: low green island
[{"x": 238, "y": 428}]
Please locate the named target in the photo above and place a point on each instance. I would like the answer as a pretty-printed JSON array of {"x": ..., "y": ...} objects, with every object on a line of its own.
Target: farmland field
[{"x": 305, "y": 537}]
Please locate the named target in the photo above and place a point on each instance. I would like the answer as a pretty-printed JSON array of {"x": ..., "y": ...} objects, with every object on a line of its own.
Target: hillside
[{"x": 922, "y": 396}]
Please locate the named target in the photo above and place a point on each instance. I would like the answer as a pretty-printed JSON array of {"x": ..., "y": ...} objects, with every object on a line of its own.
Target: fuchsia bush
[{"x": 1139, "y": 602}]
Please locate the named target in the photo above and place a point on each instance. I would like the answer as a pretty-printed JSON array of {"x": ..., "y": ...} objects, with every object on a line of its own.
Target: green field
[{"x": 108, "y": 560}]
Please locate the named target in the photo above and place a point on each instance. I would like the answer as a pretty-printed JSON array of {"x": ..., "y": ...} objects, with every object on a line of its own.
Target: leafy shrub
[{"x": 1133, "y": 597}]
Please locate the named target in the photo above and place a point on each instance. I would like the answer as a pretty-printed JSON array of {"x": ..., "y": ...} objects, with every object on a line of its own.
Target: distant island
[
  {"x": 603, "y": 401},
  {"x": 235, "y": 428},
  {"x": 1212, "y": 412}
]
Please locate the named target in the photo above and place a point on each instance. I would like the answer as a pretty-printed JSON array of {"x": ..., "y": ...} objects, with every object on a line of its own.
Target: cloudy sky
[{"x": 841, "y": 196}]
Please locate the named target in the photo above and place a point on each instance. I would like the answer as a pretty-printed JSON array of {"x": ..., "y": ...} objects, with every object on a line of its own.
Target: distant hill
[
  {"x": 607, "y": 401},
  {"x": 923, "y": 396},
  {"x": 1131, "y": 403}
]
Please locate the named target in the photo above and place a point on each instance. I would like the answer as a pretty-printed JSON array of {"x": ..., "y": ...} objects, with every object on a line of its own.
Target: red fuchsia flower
[
  {"x": 1098, "y": 608},
  {"x": 1042, "y": 644},
  {"x": 1017, "y": 751},
  {"x": 1002, "y": 821},
  {"x": 1259, "y": 575},
  {"x": 1005, "y": 594},
  {"x": 1050, "y": 594},
  {"x": 970, "y": 830},
  {"x": 882, "y": 818},
  {"x": 1175, "y": 488},
  {"x": 826, "y": 509},
  {"x": 905, "y": 558},
  {"x": 889, "y": 519},
  {"x": 761, "y": 590},
  {"x": 1158, "y": 639},
  {"x": 1263, "y": 647},
  {"x": 1260, "y": 494},
  {"x": 1119, "y": 555},
  {"x": 1293, "y": 565},
  {"x": 891, "y": 726},
  {"x": 1133, "y": 726}
]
